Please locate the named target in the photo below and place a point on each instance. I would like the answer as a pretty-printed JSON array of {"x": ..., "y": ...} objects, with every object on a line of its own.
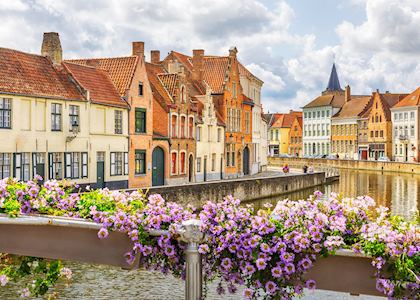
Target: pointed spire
[{"x": 333, "y": 83}]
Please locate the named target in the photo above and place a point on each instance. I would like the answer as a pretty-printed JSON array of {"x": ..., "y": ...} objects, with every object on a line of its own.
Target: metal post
[{"x": 191, "y": 234}]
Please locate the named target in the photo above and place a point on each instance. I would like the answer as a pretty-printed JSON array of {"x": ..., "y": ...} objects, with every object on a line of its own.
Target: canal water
[{"x": 399, "y": 192}]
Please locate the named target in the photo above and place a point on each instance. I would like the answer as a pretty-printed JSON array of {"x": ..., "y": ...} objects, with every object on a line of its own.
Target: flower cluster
[{"x": 269, "y": 250}]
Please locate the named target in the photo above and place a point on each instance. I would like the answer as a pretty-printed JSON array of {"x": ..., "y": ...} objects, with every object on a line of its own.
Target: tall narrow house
[
  {"x": 128, "y": 73},
  {"x": 317, "y": 117}
]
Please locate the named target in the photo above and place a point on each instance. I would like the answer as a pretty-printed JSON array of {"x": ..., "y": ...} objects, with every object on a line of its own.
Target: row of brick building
[
  {"x": 380, "y": 126},
  {"x": 124, "y": 122}
]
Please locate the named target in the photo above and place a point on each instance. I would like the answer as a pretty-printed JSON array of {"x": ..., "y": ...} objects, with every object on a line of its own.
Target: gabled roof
[
  {"x": 333, "y": 100},
  {"x": 169, "y": 81},
  {"x": 354, "y": 108},
  {"x": 160, "y": 94},
  {"x": 98, "y": 83},
  {"x": 388, "y": 100},
  {"x": 215, "y": 72},
  {"x": 184, "y": 59},
  {"x": 34, "y": 75},
  {"x": 120, "y": 69},
  {"x": 412, "y": 99},
  {"x": 333, "y": 82}
]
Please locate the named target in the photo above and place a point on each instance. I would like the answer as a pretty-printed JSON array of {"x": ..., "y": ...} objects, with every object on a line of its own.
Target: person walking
[
  {"x": 286, "y": 169},
  {"x": 305, "y": 169}
]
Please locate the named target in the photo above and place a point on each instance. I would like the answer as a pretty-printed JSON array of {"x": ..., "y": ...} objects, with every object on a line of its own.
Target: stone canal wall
[
  {"x": 245, "y": 189},
  {"x": 323, "y": 163}
]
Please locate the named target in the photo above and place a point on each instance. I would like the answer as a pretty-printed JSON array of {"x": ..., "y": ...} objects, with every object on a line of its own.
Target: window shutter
[
  {"x": 125, "y": 163},
  {"x": 84, "y": 165},
  {"x": 67, "y": 164},
  {"x": 50, "y": 166}
]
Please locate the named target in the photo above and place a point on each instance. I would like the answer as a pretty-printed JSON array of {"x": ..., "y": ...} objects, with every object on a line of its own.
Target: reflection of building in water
[{"x": 404, "y": 199}]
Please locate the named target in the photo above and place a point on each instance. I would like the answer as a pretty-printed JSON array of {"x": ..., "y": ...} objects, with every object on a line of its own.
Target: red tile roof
[
  {"x": 98, "y": 83},
  {"x": 411, "y": 100},
  {"x": 169, "y": 81},
  {"x": 160, "y": 94},
  {"x": 355, "y": 107},
  {"x": 327, "y": 100},
  {"x": 389, "y": 100},
  {"x": 184, "y": 59},
  {"x": 120, "y": 69},
  {"x": 34, "y": 75},
  {"x": 215, "y": 72}
]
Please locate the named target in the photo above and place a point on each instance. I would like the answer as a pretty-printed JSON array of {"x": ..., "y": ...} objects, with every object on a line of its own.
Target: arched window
[
  {"x": 380, "y": 118},
  {"x": 183, "y": 95},
  {"x": 182, "y": 129},
  {"x": 173, "y": 125},
  {"x": 191, "y": 128},
  {"x": 173, "y": 162},
  {"x": 182, "y": 163}
]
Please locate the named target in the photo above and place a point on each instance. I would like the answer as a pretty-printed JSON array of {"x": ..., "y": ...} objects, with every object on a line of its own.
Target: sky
[{"x": 289, "y": 44}]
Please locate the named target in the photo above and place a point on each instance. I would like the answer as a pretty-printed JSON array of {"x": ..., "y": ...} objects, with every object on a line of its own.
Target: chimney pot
[
  {"x": 138, "y": 49},
  {"x": 51, "y": 47},
  {"x": 198, "y": 64},
  {"x": 155, "y": 56}
]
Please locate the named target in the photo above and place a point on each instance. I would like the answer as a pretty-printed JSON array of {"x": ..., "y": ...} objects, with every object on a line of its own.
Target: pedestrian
[
  {"x": 310, "y": 169},
  {"x": 286, "y": 169},
  {"x": 305, "y": 169}
]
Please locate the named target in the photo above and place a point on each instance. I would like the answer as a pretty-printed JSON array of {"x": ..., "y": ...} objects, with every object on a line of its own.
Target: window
[
  {"x": 173, "y": 162},
  {"x": 376, "y": 133},
  {"x": 381, "y": 133},
  {"x": 72, "y": 165},
  {"x": 305, "y": 114},
  {"x": 191, "y": 128},
  {"x": 183, "y": 95},
  {"x": 412, "y": 131},
  {"x": 55, "y": 161},
  {"x": 5, "y": 165},
  {"x": 198, "y": 164},
  {"x": 395, "y": 116},
  {"x": 396, "y": 149},
  {"x": 118, "y": 122},
  {"x": 140, "y": 88},
  {"x": 234, "y": 89},
  {"x": 405, "y": 116},
  {"x": 318, "y": 114},
  {"x": 412, "y": 115},
  {"x": 198, "y": 133},
  {"x": 272, "y": 134},
  {"x": 140, "y": 120},
  {"x": 182, "y": 127},
  {"x": 125, "y": 163},
  {"x": 5, "y": 113},
  {"x": 85, "y": 164},
  {"x": 174, "y": 120},
  {"x": 400, "y": 116},
  {"x": 219, "y": 135},
  {"x": 182, "y": 162},
  {"x": 38, "y": 160},
  {"x": 247, "y": 123},
  {"x": 74, "y": 116},
  {"x": 116, "y": 163},
  {"x": 140, "y": 162},
  {"x": 228, "y": 155},
  {"x": 406, "y": 131},
  {"x": 233, "y": 155},
  {"x": 55, "y": 117},
  {"x": 210, "y": 133},
  {"x": 371, "y": 134}
]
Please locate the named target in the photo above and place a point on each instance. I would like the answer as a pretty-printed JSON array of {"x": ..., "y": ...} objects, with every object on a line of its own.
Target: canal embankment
[
  {"x": 246, "y": 189},
  {"x": 391, "y": 166}
]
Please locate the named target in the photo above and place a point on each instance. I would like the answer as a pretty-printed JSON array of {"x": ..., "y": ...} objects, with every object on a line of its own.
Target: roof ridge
[
  {"x": 20, "y": 51},
  {"x": 101, "y": 58}
]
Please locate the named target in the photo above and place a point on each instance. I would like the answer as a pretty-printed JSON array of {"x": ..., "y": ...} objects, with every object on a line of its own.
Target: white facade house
[
  {"x": 405, "y": 128},
  {"x": 210, "y": 141},
  {"x": 317, "y": 116},
  {"x": 251, "y": 88}
]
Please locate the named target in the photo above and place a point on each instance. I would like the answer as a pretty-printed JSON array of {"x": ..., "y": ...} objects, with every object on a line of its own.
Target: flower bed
[{"x": 270, "y": 251}]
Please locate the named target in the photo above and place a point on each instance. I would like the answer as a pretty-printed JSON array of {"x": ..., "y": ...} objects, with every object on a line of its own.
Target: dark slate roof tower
[{"x": 334, "y": 83}]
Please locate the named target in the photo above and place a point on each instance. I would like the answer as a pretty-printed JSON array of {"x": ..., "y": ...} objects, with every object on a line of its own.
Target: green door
[
  {"x": 158, "y": 165},
  {"x": 100, "y": 174}
]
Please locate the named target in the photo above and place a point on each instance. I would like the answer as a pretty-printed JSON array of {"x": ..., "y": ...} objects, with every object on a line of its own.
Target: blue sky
[{"x": 289, "y": 44}]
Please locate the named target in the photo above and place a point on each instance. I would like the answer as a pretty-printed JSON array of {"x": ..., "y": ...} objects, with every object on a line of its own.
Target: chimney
[
  {"x": 138, "y": 49},
  {"x": 198, "y": 64},
  {"x": 233, "y": 51},
  {"x": 155, "y": 56},
  {"x": 347, "y": 94},
  {"x": 51, "y": 47}
]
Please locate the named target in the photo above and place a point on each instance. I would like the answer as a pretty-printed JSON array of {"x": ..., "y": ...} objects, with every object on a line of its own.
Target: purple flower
[
  {"x": 203, "y": 249},
  {"x": 103, "y": 233},
  {"x": 276, "y": 272},
  {"x": 169, "y": 250},
  {"x": 261, "y": 264},
  {"x": 248, "y": 293},
  {"x": 270, "y": 287},
  {"x": 3, "y": 280},
  {"x": 226, "y": 263},
  {"x": 311, "y": 284},
  {"x": 289, "y": 268}
]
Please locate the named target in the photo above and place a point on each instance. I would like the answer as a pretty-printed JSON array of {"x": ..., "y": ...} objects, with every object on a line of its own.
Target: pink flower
[
  {"x": 3, "y": 280},
  {"x": 103, "y": 233}
]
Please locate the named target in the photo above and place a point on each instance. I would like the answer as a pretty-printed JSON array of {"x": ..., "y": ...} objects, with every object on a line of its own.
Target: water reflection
[{"x": 399, "y": 192}]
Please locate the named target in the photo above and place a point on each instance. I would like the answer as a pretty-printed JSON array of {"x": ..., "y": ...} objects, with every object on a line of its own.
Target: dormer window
[{"x": 140, "y": 88}]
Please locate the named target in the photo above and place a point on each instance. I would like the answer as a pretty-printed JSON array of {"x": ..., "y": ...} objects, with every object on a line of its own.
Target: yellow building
[
  {"x": 59, "y": 121},
  {"x": 279, "y": 132}
]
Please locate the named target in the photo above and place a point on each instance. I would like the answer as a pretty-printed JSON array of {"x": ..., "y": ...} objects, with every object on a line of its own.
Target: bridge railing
[{"x": 77, "y": 240}]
